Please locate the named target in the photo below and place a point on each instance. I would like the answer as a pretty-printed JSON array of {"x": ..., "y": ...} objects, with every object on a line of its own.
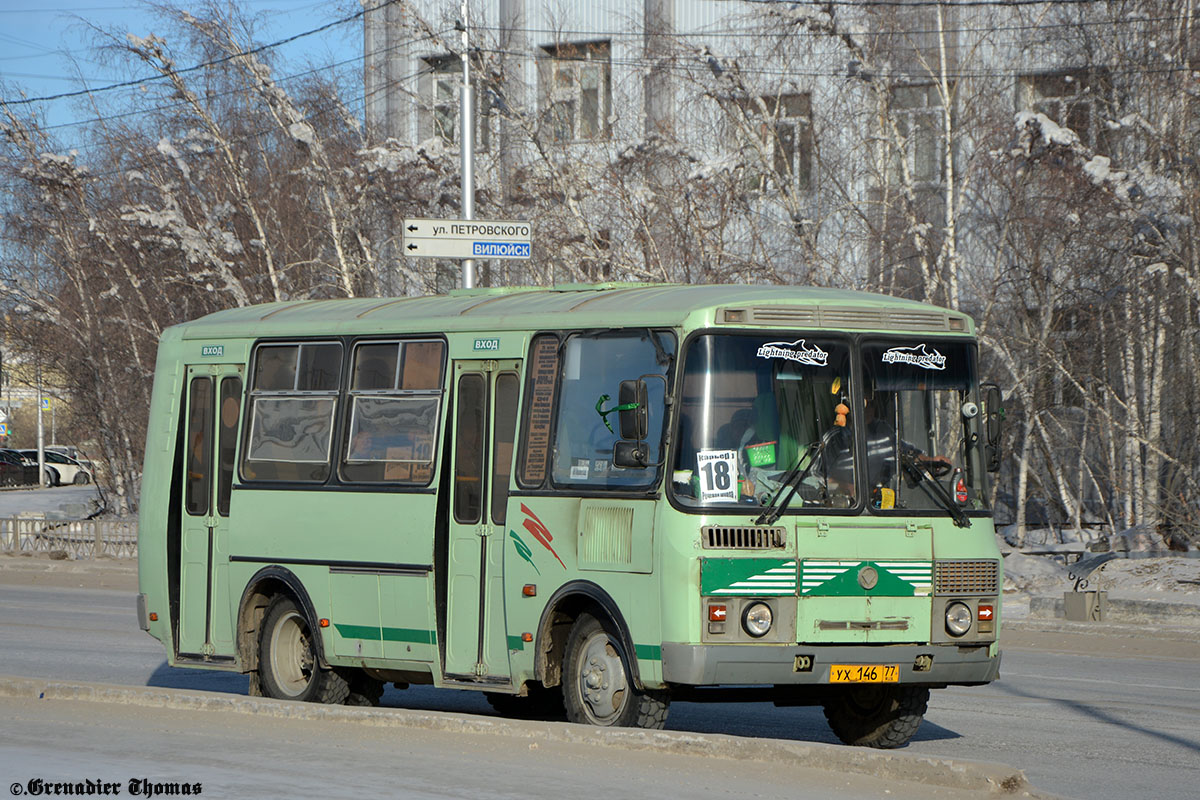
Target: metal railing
[{"x": 79, "y": 539}]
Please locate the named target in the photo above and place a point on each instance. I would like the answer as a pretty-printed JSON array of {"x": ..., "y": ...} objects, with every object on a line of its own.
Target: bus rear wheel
[
  {"x": 884, "y": 717},
  {"x": 597, "y": 687},
  {"x": 287, "y": 658}
]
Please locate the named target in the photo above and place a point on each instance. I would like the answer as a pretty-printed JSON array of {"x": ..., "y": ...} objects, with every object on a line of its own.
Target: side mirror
[
  {"x": 631, "y": 455},
  {"x": 992, "y": 415},
  {"x": 633, "y": 398}
]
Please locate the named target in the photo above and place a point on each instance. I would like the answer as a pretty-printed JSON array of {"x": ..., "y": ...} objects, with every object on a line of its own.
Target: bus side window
[
  {"x": 231, "y": 410},
  {"x": 469, "y": 449},
  {"x": 199, "y": 455},
  {"x": 293, "y": 400},
  {"x": 395, "y": 401},
  {"x": 533, "y": 464},
  {"x": 507, "y": 387}
]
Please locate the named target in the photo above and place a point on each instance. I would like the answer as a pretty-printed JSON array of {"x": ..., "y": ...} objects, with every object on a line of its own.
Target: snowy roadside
[{"x": 1157, "y": 588}]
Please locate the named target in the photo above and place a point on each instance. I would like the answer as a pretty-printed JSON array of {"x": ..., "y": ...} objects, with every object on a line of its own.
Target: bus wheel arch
[
  {"x": 565, "y": 606},
  {"x": 262, "y": 604}
]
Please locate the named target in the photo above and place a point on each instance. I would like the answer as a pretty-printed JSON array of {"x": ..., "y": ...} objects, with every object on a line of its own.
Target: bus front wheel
[
  {"x": 877, "y": 716},
  {"x": 287, "y": 658},
  {"x": 597, "y": 687}
]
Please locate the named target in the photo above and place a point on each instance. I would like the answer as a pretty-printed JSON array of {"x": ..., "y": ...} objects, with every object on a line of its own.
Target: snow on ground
[{"x": 1167, "y": 579}]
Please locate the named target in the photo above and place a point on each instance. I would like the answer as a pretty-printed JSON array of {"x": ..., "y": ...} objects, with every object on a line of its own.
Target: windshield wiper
[
  {"x": 792, "y": 480},
  {"x": 917, "y": 475}
]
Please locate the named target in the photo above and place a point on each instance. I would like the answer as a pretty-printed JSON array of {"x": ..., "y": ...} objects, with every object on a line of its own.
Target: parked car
[
  {"x": 61, "y": 468},
  {"x": 18, "y": 469}
]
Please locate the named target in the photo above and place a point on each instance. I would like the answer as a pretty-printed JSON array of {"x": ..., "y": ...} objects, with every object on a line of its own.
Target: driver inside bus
[{"x": 883, "y": 448}]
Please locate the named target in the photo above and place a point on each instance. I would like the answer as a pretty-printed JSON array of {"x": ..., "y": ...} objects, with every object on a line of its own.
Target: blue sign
[{"x": 500, "y": 249}]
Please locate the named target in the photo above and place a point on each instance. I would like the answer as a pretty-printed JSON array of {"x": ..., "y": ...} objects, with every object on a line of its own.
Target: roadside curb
[{"x": 887, "y": 765}]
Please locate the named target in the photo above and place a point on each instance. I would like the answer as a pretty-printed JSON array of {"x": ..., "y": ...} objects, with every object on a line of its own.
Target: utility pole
[
  {"x": 467, "y": 139},
  {"x": 41, "y": 425}
]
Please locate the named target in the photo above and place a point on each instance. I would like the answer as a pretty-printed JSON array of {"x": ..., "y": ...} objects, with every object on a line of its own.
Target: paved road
[
  {"x": 246, "y": 756},
  {"x": 1088, "y": 724}
]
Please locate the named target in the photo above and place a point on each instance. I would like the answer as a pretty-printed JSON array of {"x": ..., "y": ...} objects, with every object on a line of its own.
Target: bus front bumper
[{"x": 933, "y": 664}]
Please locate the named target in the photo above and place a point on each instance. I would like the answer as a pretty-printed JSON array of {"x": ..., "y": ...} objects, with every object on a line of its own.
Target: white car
[{"x": 61, "y": 468}]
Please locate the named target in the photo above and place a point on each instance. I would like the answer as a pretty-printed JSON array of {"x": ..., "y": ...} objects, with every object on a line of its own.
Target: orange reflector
[
  {"x": 529, "y": 590},
  {"x": 154, "y": 616},
  {"x": 526, "y": 637},
  {"x": 985, "y": 613},
  {"x": 324, "y": 623},
  {"x": 716, "y": 613}
]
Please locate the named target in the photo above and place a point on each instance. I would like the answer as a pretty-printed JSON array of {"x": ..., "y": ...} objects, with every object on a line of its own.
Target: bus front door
[
  {"x": 485, "y": 420},
  {"x": 214, "y": 399}
]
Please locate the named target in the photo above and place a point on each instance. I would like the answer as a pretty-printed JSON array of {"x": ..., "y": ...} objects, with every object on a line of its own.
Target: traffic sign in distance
[{"x": 476, "y": 238}]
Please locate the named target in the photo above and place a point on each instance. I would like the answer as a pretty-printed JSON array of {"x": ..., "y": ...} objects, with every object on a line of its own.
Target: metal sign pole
[{"x": 467, "y": 140}]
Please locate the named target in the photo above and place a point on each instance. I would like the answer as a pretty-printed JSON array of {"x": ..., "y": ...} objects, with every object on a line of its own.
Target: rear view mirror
[
  {"x": 631, "y": 455},
  {"x": 633, "y": 399},
  {"x": 993, "y": 413}
]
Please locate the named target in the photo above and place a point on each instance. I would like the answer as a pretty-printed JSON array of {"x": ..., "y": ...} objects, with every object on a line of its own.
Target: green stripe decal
[
  {"x": 515, "y": 643},
  {"x": 842, "y": 578},
  {"x": 747, "y": 577},
  {"x": 372, "y": 634},
  {"x": 648, "y": 652}
]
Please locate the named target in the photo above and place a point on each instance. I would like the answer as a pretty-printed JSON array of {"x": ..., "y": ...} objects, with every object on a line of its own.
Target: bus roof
[{"x": 584, "y": 306}]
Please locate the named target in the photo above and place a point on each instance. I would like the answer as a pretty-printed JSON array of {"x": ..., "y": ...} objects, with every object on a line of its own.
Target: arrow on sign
[{"x": 412, "y": 247}]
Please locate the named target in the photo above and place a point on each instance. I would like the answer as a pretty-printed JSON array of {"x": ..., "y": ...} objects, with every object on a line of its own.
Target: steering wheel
[{"x": 937, "y": 467}]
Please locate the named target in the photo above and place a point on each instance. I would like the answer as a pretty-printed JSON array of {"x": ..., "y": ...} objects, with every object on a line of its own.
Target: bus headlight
[
  {"x": 958, "y": 619},
  {"x": 756, "y": 620}
]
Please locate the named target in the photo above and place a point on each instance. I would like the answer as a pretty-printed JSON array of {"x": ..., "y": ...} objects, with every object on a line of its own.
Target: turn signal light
[
  {"x": 324, "y": 623},
  {"x": 529, "y": 590},
  {"x": 526, "y": 637},
  {"x": 154, "y": 616},
  {"x": 986, "y": 613},
  {"x": 716, "y": 613}
]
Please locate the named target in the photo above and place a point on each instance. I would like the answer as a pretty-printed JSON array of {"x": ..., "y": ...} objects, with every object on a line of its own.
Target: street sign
[
  {"x": 475, "y": 238},
  {"x": 3, "y": 429},
  {"x": 45, "y": 404}
]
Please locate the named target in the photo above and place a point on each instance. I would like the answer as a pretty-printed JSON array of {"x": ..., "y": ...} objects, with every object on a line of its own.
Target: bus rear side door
[
  {"x": 214, "y": 400},
  {"x": 484, "y": 427}
]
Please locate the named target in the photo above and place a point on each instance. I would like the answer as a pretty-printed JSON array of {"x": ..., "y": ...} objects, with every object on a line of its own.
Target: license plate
[{"x": 864, "y": 673}]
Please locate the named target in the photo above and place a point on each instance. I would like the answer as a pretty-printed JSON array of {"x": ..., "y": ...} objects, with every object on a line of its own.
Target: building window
[
  {"x": 781, "y": 153},
  {"x": 917, "y": 113},
  {"x": 1070, "y": 99},
  {"x": 575, "y": 90},
  {"x": 441, "y": 91}
]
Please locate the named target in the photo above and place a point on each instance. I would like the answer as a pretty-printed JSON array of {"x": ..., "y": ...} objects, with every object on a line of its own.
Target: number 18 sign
[{"x": 718, "y": 476}]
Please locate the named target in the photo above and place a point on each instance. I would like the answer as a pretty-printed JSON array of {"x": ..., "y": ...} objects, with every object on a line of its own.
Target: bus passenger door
[
  {"x": 485, "y": 420},
  {"x": 214, "y": 406}
]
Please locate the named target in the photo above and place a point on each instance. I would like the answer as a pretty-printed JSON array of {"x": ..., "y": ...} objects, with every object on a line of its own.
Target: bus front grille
[
  {"x": 747, "y": 537},
  {"x": 980, "y": 576}
]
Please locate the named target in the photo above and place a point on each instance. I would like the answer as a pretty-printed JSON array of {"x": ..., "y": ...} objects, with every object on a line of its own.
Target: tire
[
  {"x": 597, "y": 687},
  {"x": 884, "y": 717},
  {"x": 50, "y": 477},
  {"x": 287, "y": 659},
  {"x": 541, "y": 703},
  {"x": 364, "y": 690},
  {"x": 80, "y": 479}
]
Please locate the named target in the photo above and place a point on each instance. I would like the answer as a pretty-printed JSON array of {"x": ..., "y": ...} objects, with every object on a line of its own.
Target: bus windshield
[
  {"x": 921, "y": 420},
  {"x": 758, "y": 411},
  {"x": 753, "y": 407}
]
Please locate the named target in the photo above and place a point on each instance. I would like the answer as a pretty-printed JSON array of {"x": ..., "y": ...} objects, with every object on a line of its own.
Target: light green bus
[{"x": 584, "y": 499}]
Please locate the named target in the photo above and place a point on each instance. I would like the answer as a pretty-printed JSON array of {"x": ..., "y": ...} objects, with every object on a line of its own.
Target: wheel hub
[{"x": 602, "y": 678}]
